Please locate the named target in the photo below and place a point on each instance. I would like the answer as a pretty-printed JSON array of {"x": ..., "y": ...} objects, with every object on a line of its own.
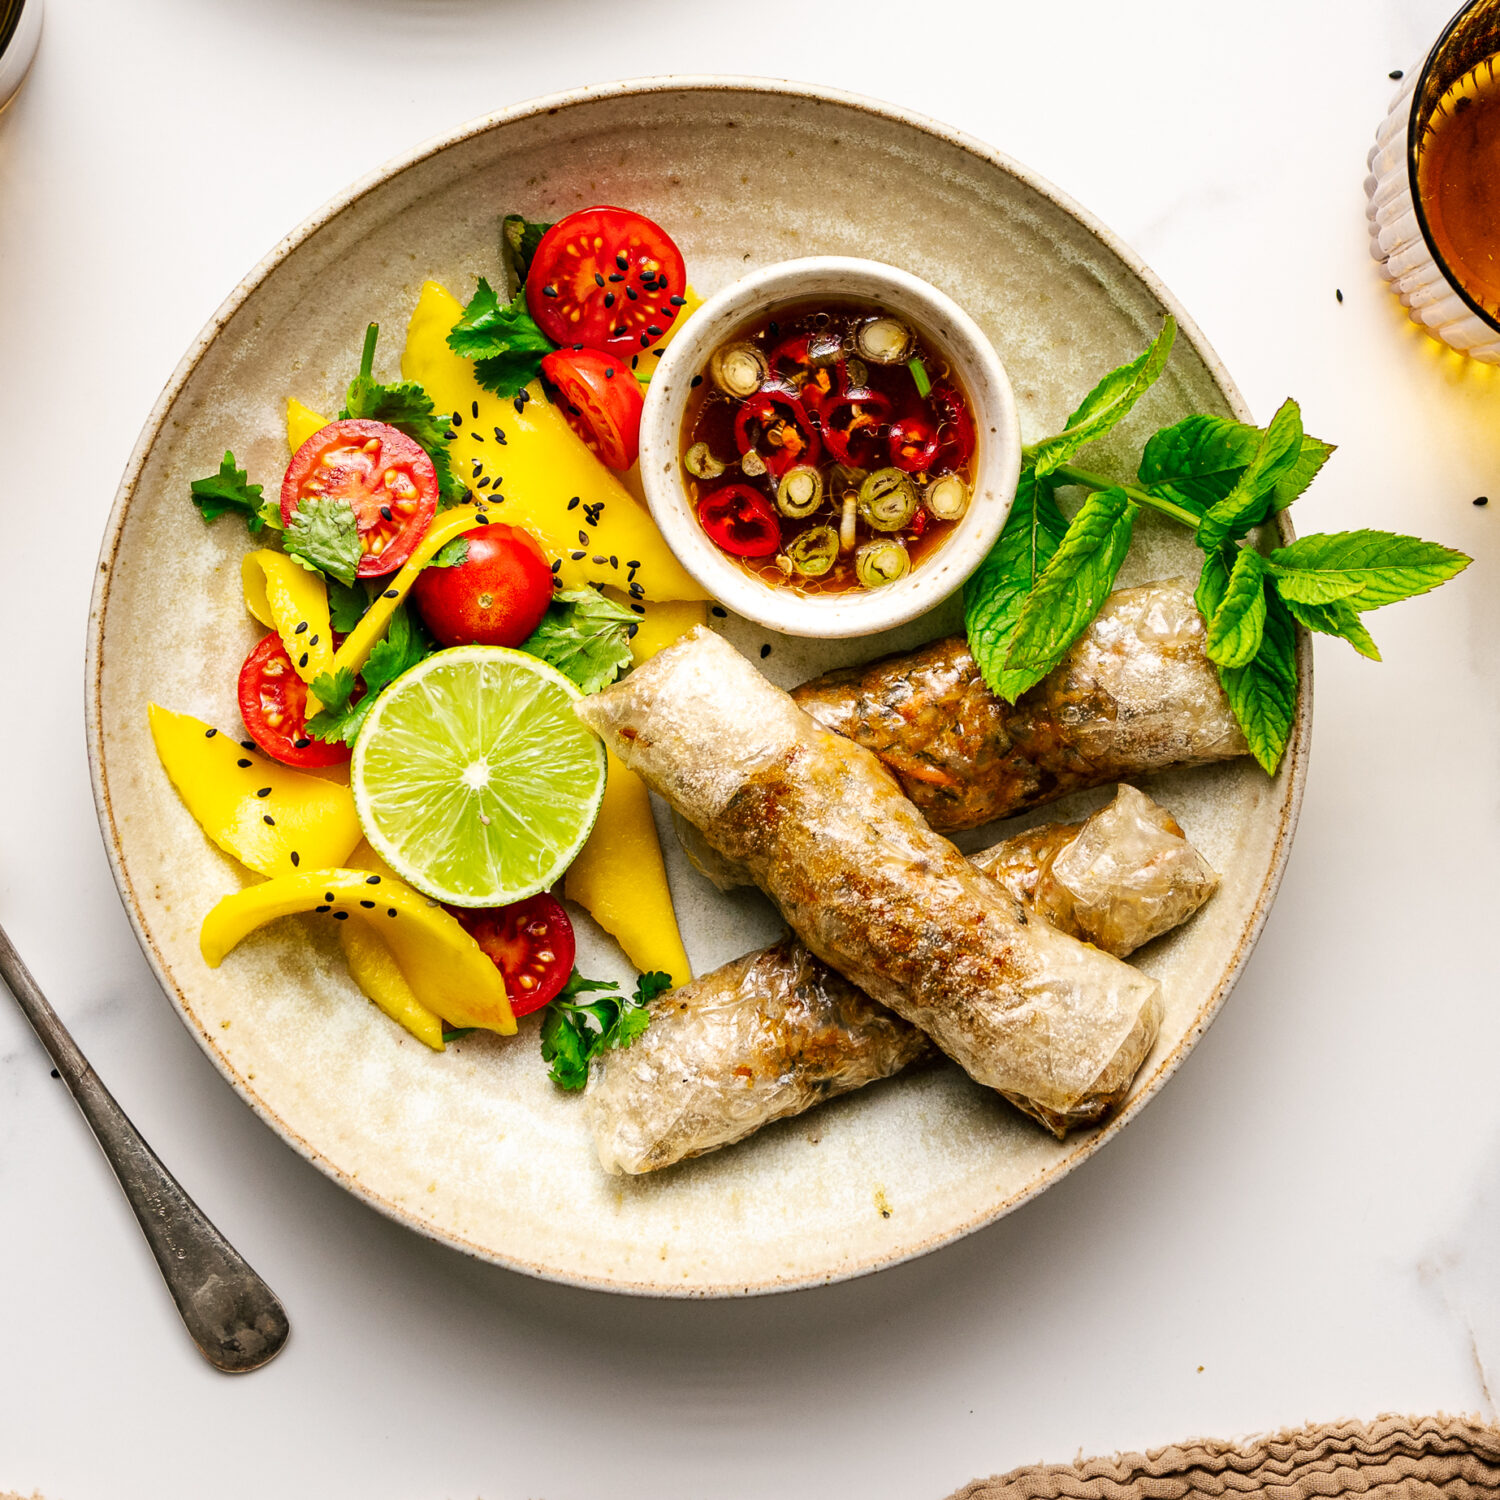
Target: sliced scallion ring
[
  {"x": 947, "y": 498},
  {"x": 700, "y": 462},
  {"x": 813, "y": 552},
  {"x": 885, "y": 340},
  {"x": 738, "y": 370},
  {"x": 881, "y": 562},
  {"x": 753, "y": 464},
  {"x": 800, "y": 492},
  {"x": 888, "y": 500}
]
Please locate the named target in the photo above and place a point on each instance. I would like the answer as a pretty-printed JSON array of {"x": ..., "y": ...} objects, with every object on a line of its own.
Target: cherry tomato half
[
  {"x": 955, "y": 424},
  {"x": 273, "y": 704},
  {"x": 495, "y": 597},
  {"x": 602, "y": 401},
  {"x": 605, "y": 278},
  {"x": 774, "y": 423},
  {"x": 741, "y": 521},
  {"x": 385, "y": 475},
  {"x": 530, "y": 942},
  {"x": 914, "y": 444}
]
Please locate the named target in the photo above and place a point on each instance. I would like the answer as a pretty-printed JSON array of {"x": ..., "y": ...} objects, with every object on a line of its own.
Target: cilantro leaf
[
  {"x": 451, "y": 554},
  {"x": 1072, "y": 586},
  {"x": 324, "y": 537},
  {"x": 502, "y": 339},
  {"x": 1367, "y": 568},
  {"x": 1251, "y": 499},
  {"x": 575, "y": 1031},
  {"x": 1237, "y": 625},
  {"x": 406, "y": 406},
  {"x": 405, "y": 644},
  {"x": 995, "y": 594},
  {"x": 1337, "y": 618},
  {"x": 229, "y": 491},
  {"x": 585, "y": 636},
  {"x": 519, "y": 238},
  {"x": 1107, "y": 403},
  {"x": 346, "y": 605},
  {"x": 331, "y": 723}
]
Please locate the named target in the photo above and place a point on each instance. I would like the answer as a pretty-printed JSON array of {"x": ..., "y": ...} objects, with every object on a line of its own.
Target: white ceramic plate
[{"x": 475, "y": 1147}]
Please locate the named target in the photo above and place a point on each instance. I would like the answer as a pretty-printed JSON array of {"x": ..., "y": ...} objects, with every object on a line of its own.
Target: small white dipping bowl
[{"x": 947, "y": 329}]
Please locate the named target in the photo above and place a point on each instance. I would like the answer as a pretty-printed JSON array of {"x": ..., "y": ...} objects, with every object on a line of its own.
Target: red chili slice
[
  {"x": 741, "y": 521},
  {"x": 955, "y": 424},
  {"x": 850, "y": 424},
  {"x": 774, "y": 424},
  {"x": 914, "y": 444}
]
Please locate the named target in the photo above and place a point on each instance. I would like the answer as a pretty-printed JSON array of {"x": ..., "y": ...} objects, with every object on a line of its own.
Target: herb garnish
[
  {"x": 575, "y": 1031},
  {"x": 518, "y": 241},
  {"x": 230, "y": 490},
  {"x": 324, "y": 538},
  {"x": 503, "y": 340},
  {"x": 585, "y": 636},
  {"x": 1047, "y": 577},
  {"x": 404, "y": 644}
]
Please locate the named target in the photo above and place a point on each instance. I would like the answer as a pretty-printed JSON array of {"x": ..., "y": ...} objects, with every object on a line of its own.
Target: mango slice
[
  {"x": 620, "y": 879},
  {"x": 374, "y": 969},
  {"x": 663, "y": 624},
  {"x": 302, "y": 820},
  {"x": 302, "y": 421},
  {"x": 421, "y": 935},
  {"x": 293, "y": 602},
  {"x": 541, "y": 476}
]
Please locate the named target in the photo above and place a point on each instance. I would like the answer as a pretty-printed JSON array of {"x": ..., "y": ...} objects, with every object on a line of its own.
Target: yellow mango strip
[
  {"x": 620, "y": 879},
  {"x": 361, "y": 640},
  {"x": 455, "y": 966},
  {"x": 650, "y": 358},
  {"x": 302, "y": 421},
  {"x": 541, "y": 477},
  {"x": 301, "y": 820},
  {"x": 293, "y": 602},
  {"x": 374, "y": 969},
  {"x": 662, "y": 625}
]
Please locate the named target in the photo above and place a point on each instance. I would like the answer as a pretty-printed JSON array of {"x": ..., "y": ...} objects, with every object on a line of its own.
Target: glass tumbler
[{"x": 1461, "y": 64}]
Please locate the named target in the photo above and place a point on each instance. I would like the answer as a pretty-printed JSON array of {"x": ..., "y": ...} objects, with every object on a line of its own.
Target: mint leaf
[
  {"x": 1234, "y": 633},
  {"x": 1263, "y": 692},
  {"x": 324, "y": 537},
  {"x": 1213, "y": 584},
  {"x": 230, "y": 491},
  {"x": 502, "y": 339},
  {"x": 1198, "y": 461},
  {"x": 520, "y": 237},
  {"x": 1368, "y": 568},
  {"x": 346, "y": 605},
  {"x": 1335, "y": 618},
  {"x": 575, "y": 1031},
  {"x": 1107, "y": 403},
  {"x": 1310, "y": 460},
  {"x": 585, "y": 636},
  {"x": 1073, "y": 585},
  {"x": 1250, "y": 501},
  {"x": 451, "y": 554},
  {"x": 999, "y": 587}
]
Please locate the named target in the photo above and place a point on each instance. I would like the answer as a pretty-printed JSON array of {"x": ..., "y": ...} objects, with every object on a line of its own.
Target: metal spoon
[{"x": 233, "y": 1316}]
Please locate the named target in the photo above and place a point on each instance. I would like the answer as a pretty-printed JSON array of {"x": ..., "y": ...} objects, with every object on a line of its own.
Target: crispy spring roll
[
  {"x": 826, "y": 833},
  {"x": 1135, "y": 695},
  {"x": 776, "y": 1032}
]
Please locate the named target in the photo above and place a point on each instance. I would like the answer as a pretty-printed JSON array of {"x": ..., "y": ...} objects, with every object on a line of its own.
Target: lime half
[{"x": 474, "y": 779}]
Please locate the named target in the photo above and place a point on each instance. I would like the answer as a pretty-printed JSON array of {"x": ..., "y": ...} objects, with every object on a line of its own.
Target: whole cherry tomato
[
  {"x": 605, "y": 278},
  {"x": 601, "y": 400},
  {"x": 387, "y": 478},
  {"x": 273, "y": 704},
  {"x": 531, "y": 943},
  {"x": 495, "y": 597}
]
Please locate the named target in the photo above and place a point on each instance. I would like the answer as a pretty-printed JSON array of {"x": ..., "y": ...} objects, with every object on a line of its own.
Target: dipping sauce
[
  {"x": 828, "y": 446},
  {"x": 1458, "y": 181}
]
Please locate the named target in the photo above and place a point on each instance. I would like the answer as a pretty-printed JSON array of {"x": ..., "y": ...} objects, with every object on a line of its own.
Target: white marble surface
[{"x": 1306, "y": 1224}]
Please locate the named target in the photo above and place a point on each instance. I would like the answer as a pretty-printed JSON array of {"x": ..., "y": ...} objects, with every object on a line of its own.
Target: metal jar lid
[{"x": 20, "y": 31}]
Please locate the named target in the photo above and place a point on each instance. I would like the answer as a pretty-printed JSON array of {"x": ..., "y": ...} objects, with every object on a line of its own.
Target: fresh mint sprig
[{"x": 1046, "y": 578}]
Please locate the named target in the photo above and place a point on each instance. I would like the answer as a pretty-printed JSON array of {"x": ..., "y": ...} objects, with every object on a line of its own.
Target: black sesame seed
[
  {"x": 609, "y": 372},
  {"x": 296, "y": 859},
  {"x": 500, "y": 437},
  {"x": 328, "y": 895},
  {"x": 695, "y": 382},
  {"x": 313, "y": 641},
  {"x": 248, "y": 744},
  {"x": 765, "y": 651},
  {"x": 368, "y": 905},
  {"x": 474, "y": 407},
  {"x": 635, "y": 359},
  {"x": 599, "y": 561},
  {"x": 1481, "y": 500},
  {"x": 572, "y": 504},
  {"x": 244, "y": 765},
  {"x": 583, "y": 539},
  {"x": 577, "y": 348},
  {"x": 634, "y": 295},
  {"x": 773, "y": 328},
  {"x": 622, "y": 260},
  {"x": 609, "y": 299},
  {"x": 301, "y": 744},
  {"x": 598, "y": 279},
  {"x": 678, "y": 301},
  {"x": 636, "y": 591},
  {"x": 385, "y": 513},
  {"x": 209, "y": 734},
  {"x": 450, "y": 434},
  {"x": 576, "y": 556},
  {"x": 557, "y": 565},
  {"x": 390, "y": 911},
  {"x": 265, "y": 791},
  {"x": 268, "y": 820},
  {"x": 1395, "y": 73},
  {"x": 632, "y": 564},
  {"x": 1339, "y": 293},
  {"x": 614, "y": 562},
  {"x": 549, "y": 291},
  {"x": 483, "y": 483},
  {"x": 721, "y": 614},
  {"x": 645, "y": 340},
  {"x": 640, "y": 609},
  {"x": 341, "y": 916},
  {"x": 480, "y": 517},
  {"x": 391, "y": 594},
  {"x": 302, "y": 660},
  {"x": 653, "y": 330},
  {"x": 478, "y": 468},
  {"x": 520, "y": 403},
  {"x": 372, "y": 880},
  {"x": 322, "y": 908},
  {"x": 300, "y": 628},
  {"x": 457, "y": 420}
]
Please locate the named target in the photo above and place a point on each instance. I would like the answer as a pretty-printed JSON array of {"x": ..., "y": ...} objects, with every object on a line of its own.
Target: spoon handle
[{"x": 233, "y": 1316}]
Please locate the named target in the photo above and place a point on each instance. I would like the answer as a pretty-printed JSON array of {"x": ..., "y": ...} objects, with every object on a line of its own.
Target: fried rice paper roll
[
  {"x": 776, "y": 1032},
  {"x": 1135, "y": 694},
  {"x": 859, "y": 876},
  {"x": 763, "y": 1037}
]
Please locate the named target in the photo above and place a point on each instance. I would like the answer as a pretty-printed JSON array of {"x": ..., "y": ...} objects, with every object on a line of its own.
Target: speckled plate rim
[{"x": 1294, "y": 768}]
